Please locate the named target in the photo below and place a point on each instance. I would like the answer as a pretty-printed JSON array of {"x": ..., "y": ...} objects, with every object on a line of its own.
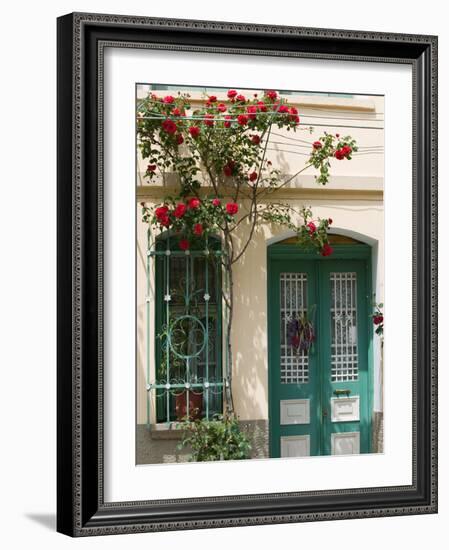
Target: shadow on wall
[{"x": 250, "y": 332}]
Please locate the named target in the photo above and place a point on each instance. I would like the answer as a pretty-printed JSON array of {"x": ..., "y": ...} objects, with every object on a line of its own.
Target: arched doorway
[{"x": 320, "y": 353}]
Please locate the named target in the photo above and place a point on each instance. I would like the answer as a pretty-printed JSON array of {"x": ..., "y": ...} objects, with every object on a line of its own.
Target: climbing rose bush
[
  {"x": 191, "y": 218},
  {"x": 222, "y": 138},
  {"x": 219, "y": 152},
  {"x": 311, "y": 233},
  {"x": 327, "y": 147},
  {"x": 224, "y": 143}
]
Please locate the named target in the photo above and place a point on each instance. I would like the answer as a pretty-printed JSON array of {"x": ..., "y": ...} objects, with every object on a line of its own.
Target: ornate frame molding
[{"x": 81, "y": 508}]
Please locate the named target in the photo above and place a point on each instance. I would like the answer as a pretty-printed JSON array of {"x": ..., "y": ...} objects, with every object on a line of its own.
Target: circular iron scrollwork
[{"x": 182, "y": 337}]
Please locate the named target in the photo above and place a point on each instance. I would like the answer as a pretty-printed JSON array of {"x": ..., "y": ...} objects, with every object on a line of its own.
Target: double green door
[{"x": 319, "y": 397}]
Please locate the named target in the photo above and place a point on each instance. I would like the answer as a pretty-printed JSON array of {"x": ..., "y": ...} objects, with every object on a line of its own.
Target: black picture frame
[{"x": 81, "y": 510}]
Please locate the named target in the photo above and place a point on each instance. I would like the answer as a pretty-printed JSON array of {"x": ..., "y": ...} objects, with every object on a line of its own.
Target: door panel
[
  {"x": 319, "y": 402},
  {"x": 294, "y": 402},
  {"x": 345, "y": 443},
  {"x": 344, "y": 356},
  {"x": 296, "y": 445}
]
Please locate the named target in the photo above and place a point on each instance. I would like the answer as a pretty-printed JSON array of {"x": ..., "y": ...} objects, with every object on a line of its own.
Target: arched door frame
[{"x": 278, "y": 251}]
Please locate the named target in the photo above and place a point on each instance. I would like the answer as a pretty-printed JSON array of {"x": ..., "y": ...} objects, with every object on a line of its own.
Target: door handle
[
  {"x": 324, "y": 412},
  {"x": 342, "y": 392}
]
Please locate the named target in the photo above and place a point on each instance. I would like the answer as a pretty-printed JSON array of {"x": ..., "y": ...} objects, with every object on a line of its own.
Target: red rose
[
  {"x": 312, "y": 227},
  {"x": 329, "y": 221},
  {"x": 232, "y": 94},
  {"x": 283, "y": 109},
  {"x": 262, "y": 106},
  {"x": 255, "y": 139},
  {"x": 169, "y": 126},
  {"x": 337, "y": 135},
  {"x": 179, "y": 139},
  {"x": 165, "y": 221},
  {"x": 242, "y": 120},
  {"x": 339, "y": 154},
  {"x": 377, "y": 319},
  {"x": 176, "y": 112},
  {"x": 232, "y": 208},
  {"x": 346, "y": 150},
  {"x": 228, "y": 119},
  {"x": 326, "y": 250},
  {"x": 194, "y": 203},
  {"x": 194, "y": 131},
  {"x": 184, "y": 244},
  {"x": 209, "y": 119},
  {"x": 252, "y": 176},
  {"x": 180, "y": 210},
  {"x": 221, "y": 107},
  {"x": 241, "y": 98},
  {"x": 252, "y": 111},
  {"x": 168, "y": 99},
  {"x": 198, "y": 229},
  {"x": 294, "y": 114},
  {"x": 227, "y": 170},
  {"x": 317, "y": 144},
  {"x": 271, "y": 94},
  {"x": 161, "y": 211},
  {"x": 151, "y": 168},
  {"x": 212, "y": 99},
  {"x": 216, "y": 202}
]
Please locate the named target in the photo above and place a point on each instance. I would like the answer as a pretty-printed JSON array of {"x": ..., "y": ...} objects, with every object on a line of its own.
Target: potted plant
[{"x": 195, "y": 404}]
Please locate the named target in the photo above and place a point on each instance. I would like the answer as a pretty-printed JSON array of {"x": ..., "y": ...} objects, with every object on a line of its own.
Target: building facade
[{"x": 325, "y": 401}]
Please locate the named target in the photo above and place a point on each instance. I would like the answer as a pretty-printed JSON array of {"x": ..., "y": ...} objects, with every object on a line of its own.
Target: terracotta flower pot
[{"x": 195, "y": 405}]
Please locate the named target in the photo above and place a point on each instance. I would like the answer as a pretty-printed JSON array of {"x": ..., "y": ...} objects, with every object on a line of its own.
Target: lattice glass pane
[
  {"x": 294, "y": 364},
  {"x": 344, "y": 364}
]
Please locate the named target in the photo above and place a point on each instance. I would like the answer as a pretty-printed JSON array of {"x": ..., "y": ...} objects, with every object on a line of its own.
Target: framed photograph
[{"x": 247, "y": 277}]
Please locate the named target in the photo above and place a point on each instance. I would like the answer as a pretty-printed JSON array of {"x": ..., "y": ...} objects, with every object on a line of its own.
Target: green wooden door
[{"x": 320, "y": 399}]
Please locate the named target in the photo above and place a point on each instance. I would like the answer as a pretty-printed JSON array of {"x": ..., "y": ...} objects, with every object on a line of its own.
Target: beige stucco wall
[{"x": 353, "y": 199}]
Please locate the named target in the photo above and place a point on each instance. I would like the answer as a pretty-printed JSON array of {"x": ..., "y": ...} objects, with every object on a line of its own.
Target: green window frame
[{"x": 188, "y": 379}]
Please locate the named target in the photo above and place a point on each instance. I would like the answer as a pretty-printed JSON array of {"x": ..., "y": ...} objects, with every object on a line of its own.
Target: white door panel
[
  {"x": 345, "y": 443},
  {"x": 295, "y": 445},
  {"x": 345, "y": 409}
]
